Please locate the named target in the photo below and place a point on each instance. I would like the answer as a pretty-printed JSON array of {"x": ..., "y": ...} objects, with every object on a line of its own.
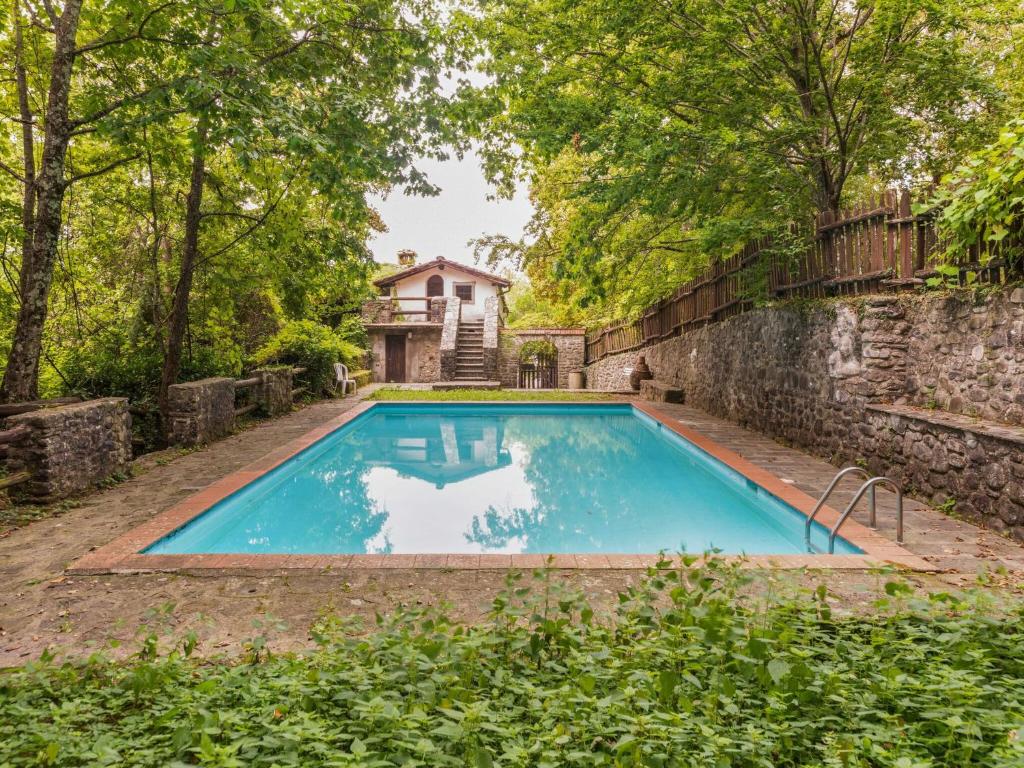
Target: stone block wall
[
  {"x": 422, "y": 351},
  {"x": 808, "y": 374},
  {"x": 72, "y": 448},
  {"x": 568, "y": 341},
  {"x": 274, "y": 392},
  {"x": 200, "y": 411},
  {"x": 968, "y": 356},
  {"x": 941, "y": 456}
]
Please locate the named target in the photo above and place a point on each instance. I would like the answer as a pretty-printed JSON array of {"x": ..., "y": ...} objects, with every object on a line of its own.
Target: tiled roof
[{"x": 384, "y": 282}]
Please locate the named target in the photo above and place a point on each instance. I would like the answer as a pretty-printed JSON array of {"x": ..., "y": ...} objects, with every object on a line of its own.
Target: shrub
[
  {"x": 686, "y": 673},
  {"x": 983, "y": 200},
  {"x": 310, "y": 345}
]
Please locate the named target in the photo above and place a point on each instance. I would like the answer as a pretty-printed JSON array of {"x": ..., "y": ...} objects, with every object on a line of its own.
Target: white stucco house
[
  {"x": 414, "y": 286},
  {"x": 443, "y": 321}
]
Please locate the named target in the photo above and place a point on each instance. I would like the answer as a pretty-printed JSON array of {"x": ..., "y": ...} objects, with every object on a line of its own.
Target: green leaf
[{"x": 778, "y": 669}]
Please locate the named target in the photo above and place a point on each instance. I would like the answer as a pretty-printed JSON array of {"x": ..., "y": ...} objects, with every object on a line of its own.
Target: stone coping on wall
[
  {"x": 404, "y": 326},
  {"x": 1005, "y": 432},
  {"x": 547, "y": 331}
]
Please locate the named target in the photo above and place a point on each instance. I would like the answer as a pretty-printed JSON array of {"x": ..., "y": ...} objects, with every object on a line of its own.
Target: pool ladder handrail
[{"x": 869, "y": 488}]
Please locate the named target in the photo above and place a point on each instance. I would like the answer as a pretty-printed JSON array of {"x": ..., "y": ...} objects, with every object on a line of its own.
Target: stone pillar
[
  {"x": 491, "y": 323},
  {"x": 200, "y": 411},
  {"x": 450, "y": 336},
  {"x": 274, "y": 392},
  {"x": 72, "y": 448},
  {"x": 437, "y": 309},
  {"x": 377, "y": 311}
]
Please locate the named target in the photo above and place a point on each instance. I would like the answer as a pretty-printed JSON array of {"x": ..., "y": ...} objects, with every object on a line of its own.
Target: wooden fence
[{"x": 874, "y": 247}]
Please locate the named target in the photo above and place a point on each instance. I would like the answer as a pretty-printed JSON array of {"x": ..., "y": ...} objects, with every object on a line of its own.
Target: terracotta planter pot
[{"x": 640, "y": 373}]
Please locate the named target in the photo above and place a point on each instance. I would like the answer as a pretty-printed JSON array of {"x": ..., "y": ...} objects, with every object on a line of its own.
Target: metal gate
[{"x": 540, "y": 374}]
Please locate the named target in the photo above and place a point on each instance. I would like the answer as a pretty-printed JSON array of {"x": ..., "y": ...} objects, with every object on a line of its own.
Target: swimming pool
[{"x": 498, "y": 478}]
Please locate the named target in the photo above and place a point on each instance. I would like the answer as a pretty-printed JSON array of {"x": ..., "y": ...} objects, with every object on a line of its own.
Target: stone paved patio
[{"x": 41, "y": 606}]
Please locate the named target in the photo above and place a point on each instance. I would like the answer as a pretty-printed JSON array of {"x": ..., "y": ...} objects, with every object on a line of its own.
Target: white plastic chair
[{"x": 341, "y": 378}]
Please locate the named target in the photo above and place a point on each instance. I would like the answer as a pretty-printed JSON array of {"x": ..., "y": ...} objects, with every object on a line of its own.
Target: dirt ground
[{"x": 43, "y": 607}]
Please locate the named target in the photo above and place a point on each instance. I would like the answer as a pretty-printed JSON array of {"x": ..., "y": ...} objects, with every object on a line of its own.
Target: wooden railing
[
  {"x": 244, "y": 387},
  {"x": 867, "y": 249}
]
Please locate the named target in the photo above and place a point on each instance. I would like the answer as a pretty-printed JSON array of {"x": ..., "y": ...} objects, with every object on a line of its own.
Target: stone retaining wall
[
  {"x": 200, "y": 411},
  {"x": 946, "y": 458},
  {"x": 808, "y": 373},
  {"x": 72, "y": 448}
]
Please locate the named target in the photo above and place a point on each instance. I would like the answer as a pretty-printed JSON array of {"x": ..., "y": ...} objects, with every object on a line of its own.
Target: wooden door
[
  {"x": 394, "y": 358},
  {"x": 435, "y": 286}
]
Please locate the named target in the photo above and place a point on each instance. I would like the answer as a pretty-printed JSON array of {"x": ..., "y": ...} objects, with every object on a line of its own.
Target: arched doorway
[{"x": 435, "y": 286}]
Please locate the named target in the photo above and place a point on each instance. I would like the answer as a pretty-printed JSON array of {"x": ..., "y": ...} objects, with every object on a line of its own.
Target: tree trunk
[
  {"x": 21, "y": 379},
  {"x": 178, "y": 319},
  {"x": 28, "y": 201}
]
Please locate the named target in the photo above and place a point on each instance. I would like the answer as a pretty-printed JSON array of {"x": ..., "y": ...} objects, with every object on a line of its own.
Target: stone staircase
[{"x": 469, "y": 351}]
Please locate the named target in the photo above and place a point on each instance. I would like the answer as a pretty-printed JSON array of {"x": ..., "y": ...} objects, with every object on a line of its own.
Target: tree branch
[{"x": 104, "y": 169}]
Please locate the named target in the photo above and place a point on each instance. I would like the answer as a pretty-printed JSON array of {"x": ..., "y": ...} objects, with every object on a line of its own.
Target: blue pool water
[{"x": 464, "y": 478}]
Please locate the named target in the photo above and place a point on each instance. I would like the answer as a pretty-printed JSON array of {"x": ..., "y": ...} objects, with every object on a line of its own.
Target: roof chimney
[{"x": 406, "y": 257}]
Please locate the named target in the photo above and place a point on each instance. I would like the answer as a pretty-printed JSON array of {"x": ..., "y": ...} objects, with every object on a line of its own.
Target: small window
[{"x": 464, "y": 291}]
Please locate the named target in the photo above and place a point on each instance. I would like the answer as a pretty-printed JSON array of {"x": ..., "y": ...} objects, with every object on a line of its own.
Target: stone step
[{"x": 467, "y": 384}]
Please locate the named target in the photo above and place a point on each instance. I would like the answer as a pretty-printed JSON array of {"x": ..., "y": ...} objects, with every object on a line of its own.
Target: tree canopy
[
  {"x": 180, "y": 177},
  {"x": 657, "y": 135}
]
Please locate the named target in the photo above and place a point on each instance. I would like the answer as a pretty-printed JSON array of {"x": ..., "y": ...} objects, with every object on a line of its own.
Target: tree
[
  {"x": 204, "y": 131},
  {"x": 676, "y": 129},
  {"x": 326, "y": 100},
  {"x": 118, "y": 34}
]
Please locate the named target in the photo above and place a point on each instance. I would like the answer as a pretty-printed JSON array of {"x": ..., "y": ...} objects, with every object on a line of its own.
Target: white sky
[{"x": 443, "y": 225}]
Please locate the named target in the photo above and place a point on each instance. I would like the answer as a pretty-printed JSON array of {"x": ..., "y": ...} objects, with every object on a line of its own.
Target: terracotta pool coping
[{"x": 122, "y": 555}]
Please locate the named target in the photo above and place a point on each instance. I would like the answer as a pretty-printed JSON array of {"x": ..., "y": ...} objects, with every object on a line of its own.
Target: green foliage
[
  {"x": 535, "y": 348},
  {"x": 982, "y": 202},
  {"x": 299, "y": 111},
  {"x": 310, "y": 345},
  {"x": 478, "y": 395},
  {"x": 684, "y": 673},
  {"x": 660, "y": 136}
]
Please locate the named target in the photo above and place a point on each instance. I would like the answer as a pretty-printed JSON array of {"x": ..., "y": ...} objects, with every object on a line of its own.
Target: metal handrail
[
  {"x": 828, "y": 492},
  {"x": 870, "y": 485}
]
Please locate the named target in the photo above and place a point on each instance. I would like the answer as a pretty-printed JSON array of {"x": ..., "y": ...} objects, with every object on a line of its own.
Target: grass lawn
[
  {"x": 688, "y": 672},
  {"x": 395, "y": 393}
]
